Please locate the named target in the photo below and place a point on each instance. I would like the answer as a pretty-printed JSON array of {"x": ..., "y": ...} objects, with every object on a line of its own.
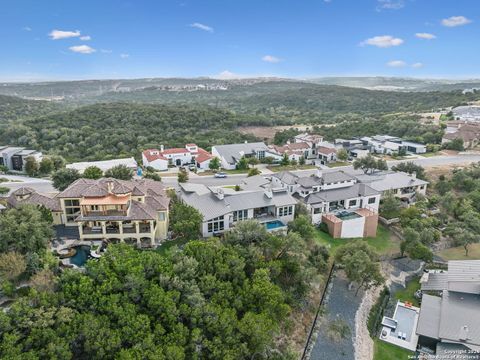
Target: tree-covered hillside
[
  {"x": 13, "y": 108},
  {"x": 105, "y": 131}
]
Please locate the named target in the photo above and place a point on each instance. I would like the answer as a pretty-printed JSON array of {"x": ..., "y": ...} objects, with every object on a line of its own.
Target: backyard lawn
[
  {"x": 407, "y": 294},
  {"x": 384, "y": 242},
  {"x": 458, "y": 253},
  {"x": 290, "y": 167},
  {"x": 386, "y": 351}
]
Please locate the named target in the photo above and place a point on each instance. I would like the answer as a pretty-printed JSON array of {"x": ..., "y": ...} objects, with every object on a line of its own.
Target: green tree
[
  {"x": 92, "y": 172},
  {"x": 24, "y": 230},
  {"x": 390, "y": 206},
  {"x": 214, "y": 163},
  {"x": 342, "y": 154},
  {"x": 455, "y": 144},
  {"x": 12, "y": 265},
  {"x": 253, "y": 161},
  {"x": 370, "y": 164},
  {"x": 360, "y": 263},
  {"x": 285, "y": 161},
  {"x": 46, "y": 166},
  {"x": 63, "y": 178},
  {"x": 302, "y": 226},
  {"x": 253, "y": 172},
  {"x": 4, "y": 190},
  {"x": 152, "y": 175},
  {"x": 301, "y": 161},
  {"x": 121, "y": 172},
  {"x": 31, "y": 166},
  {"x": 185, "y": 221},
  {"x": 242, "y": 164},
  {"x": 58, "y": 162},
  {"x": 410, "y": 168},
  {"x": 182, "y": 176}
]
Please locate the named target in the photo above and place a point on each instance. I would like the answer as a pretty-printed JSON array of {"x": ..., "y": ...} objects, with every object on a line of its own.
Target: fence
[{"x": 322, "y": 299}]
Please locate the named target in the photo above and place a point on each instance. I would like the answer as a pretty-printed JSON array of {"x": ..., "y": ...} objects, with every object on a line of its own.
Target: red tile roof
[
  {"x": 150, "y": 157},
  {"x": 175, "y": 151},
  {"x": 203, "y": 155},
  {"x": 326, "y": 150}
]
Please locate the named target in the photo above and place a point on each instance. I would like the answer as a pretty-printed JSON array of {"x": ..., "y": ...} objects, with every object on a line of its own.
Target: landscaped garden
[
  {"x": 408, "y": 294},
  {"x": 458, "y": 253},
  {"x": 386, "y": 351}
]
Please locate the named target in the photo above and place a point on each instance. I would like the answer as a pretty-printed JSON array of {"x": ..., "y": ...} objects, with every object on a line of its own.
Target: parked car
[{"x": 220, "y": 175}]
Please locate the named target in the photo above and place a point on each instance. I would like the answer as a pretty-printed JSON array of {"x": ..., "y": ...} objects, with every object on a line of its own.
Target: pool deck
[{"x": 406, "y": 319}]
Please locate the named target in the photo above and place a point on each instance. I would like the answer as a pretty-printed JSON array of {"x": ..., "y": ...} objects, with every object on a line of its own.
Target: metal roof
[
  {"x": 233, "y": 152},
  {"x": 429, "y": 319},
  {"x": 343, "y": 193}
]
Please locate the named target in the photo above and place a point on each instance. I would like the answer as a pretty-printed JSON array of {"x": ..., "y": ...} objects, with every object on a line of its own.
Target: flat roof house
[
  {"x": 222, "y": 209},
  {"x": 104, "y": 165},
  {"x": 229, "y": 155},
  {"x": 450, "y": 323},
  {"x": 349, "y": 209},
  {"x": 14, "y": 158},
  {"x": 133, "y": 211}
]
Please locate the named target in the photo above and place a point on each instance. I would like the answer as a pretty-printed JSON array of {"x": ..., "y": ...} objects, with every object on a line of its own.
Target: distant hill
[
  {"x": 398, "y": 83},
  {"x": 13, "y": 108}
]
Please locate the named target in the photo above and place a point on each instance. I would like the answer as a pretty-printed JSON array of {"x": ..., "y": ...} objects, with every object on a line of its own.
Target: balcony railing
[
  {"x": 129, "y": 230},
  {"x": 145, "y": 229},
  {"x": 112, "y": 230},
  {"x": 92, "y": 230},
  {"x": 106, "y": 213}
]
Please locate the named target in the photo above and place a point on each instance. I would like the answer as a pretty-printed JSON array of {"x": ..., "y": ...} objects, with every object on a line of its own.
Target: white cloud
[
  {"x": 27, "y": 28},
  {"x": 397, "y": 63},
  {"x": 82, "y": 49},
  {"x": 417, "y": 65},
  {"x": 425, "y": 36},
  {"x": 202, "y": 27},
  {"x": 383, "y": 41},
  {"x": 60, "y": 34},
  {"x": 226, "y": 75},
  {"x": 456, "y": 21},
  {"x": 271, "y": 59},
  {"x": 124, "y": 56},
  {"x": 390, "y": 4},
  {"x": 85, "y": 38}
]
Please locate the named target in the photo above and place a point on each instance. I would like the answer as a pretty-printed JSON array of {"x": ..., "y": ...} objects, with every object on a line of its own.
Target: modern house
[
  {"x": 386, "y": 144},
  {"x": 449, "y": 321},
  {"x": 191, "y": 154},
  {"x": 104, "y": 165},
  {"x": 14, "y": 158},
  {"x": 26, "y": 195},
  {"x": 229, "y": 155},
  {"x": 294, "y": 151},
  {"x": 349, "y": 209},
  {"x": 402, "y": 185},
  {"x": 223, "y": 208},
  {"x": 326, "y": 154},
  {"x": 117, "y": 211}
]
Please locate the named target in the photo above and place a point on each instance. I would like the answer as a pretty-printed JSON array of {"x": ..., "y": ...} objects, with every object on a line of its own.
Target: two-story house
[
  {"x": 14, "y": 158},
  {"x": 161, "y": 159},
  {"x": 222, "y": 209},
  {"x": 115, "y": 210}
]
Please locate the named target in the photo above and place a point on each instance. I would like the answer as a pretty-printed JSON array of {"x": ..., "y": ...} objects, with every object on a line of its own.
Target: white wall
[{"x": 353, "y": 228}]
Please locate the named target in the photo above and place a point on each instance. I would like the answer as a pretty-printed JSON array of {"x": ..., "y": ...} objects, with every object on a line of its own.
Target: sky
[{"x": 101, "y": 39}]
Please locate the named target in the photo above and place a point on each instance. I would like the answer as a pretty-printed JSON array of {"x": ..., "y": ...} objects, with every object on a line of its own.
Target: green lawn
[
  {"x": 210, "y": 172},
  {"x": 386, "y": 351},
  {"x": 458, "y": 253},
  {"x": 290, "y": 167},
  {"x": 338, "y": 164},
  {"x": 407, "y": 293},
  {"x": 384, "y": 242},
  {"x": 431, "y": 154}
]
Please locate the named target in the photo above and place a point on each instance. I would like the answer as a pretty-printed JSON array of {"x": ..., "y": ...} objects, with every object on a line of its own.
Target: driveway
[{"x": 17, "y": 181}]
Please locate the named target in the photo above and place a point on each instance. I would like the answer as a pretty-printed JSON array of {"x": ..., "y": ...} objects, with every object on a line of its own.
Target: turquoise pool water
[
  {"x": 81, "y": 256},
  {"x": 271, "y": 225},
  {"x": 346, "y": 215}
]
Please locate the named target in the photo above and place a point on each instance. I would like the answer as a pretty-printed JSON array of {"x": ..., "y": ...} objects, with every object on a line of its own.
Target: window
[
  {"x": 240, "y": 215},
  {"x": 72, "y": 209},
  {"x": 261, "y": 154},
  {"x": 217, "y": 224},
  {"x": 317, "y": 210},
  {"x": 372, "y": 200},
  {"x": 161, "y": 216},
  {"x": 352, "y": 203},
  {"x": 72, "y": 203},
  {"x": 285, "y": 210}
]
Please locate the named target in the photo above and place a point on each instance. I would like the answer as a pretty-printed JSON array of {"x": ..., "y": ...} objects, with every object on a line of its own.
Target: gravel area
[{"x": 342, "y": 303}]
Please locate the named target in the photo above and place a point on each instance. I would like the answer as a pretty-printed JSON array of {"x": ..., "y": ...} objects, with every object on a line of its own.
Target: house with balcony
[
  {"x": 14, "y": 158},
  {"x": 116, "y": 210},
  {"x": 223, "y": 208},
  {"x": 348, "y": 208},
  {"x": 161, "y": 159}
]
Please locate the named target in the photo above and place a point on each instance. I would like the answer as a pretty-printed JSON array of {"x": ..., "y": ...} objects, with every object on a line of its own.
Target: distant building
[
  {"x": 467, "y": 113},
  {"x": 229, "y": 155},
  {"x": 161, "y": 159},
  {"x": 14, "y": 158},
  {"x": 104, "y": 165},
  {"x": 386, "y": 144}
]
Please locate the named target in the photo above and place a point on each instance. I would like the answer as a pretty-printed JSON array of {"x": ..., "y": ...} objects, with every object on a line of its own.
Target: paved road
[
  {"x": 45, "y": 186},
  {"x": 425, "y": 162}
]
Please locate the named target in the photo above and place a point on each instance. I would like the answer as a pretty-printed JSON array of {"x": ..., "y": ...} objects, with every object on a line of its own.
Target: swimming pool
[
  {"x": 275, "y": 224},
  {"x": 81, "y": 256},
  {"x": 347, "y": 215}
]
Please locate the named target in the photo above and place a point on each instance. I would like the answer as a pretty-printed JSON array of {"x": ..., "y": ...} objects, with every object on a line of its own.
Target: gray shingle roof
[
  {"x": 385, "y": 181},
  {"x": 436, "y": 282},
  {"x": 344, "y": 193},
  {"x": 286, "y": 177},
  {"x": 233, "y": 152},
  {"x": 429, "y": 319},
  {"x": 336, "y": 176}
]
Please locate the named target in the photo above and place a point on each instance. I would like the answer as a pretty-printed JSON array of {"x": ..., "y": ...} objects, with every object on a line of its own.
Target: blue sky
[{"x": 46, "y": 39}]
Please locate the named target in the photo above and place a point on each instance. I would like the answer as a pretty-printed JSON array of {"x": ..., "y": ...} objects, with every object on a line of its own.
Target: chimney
[
  {"x": 414, "y": 175},
  {"x": 220, "y": 194},
  {"x": 161, "y": 148},
  {"x": 268, "y": 192}
]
